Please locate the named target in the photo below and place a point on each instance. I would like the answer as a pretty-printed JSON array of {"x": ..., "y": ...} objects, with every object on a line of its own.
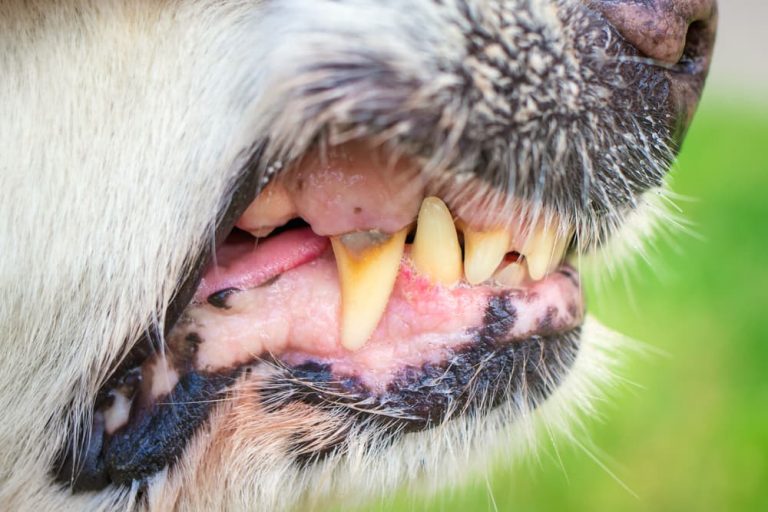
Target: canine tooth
[
  {"x": 513, "y": 275},
  {"x": 436, "y": 251},
  {"x": 368, "y": 263},
  {"x": 543, "y": 251},
  {"x": 483, "y": 252}
]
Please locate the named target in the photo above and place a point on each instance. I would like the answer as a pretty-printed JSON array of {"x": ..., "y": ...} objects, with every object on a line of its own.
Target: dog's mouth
[
  {"x": 358, "y": 281},
  {"x": 344, "y": 261}
]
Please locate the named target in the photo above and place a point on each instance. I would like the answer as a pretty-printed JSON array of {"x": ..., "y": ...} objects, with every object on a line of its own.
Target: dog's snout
[{"x": 670, "y": 31}]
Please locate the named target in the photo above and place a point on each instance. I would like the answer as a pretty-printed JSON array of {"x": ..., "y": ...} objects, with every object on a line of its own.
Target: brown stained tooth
[
  {"x": 483, "y": 252},
  {"x": 436, "y": 252},
  {"x": 368, "y": 263}
]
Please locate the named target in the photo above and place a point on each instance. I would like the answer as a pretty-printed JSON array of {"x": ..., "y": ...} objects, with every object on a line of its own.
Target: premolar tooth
[
  {"x": 368, "y": 263},
  {"x": 436, "y": 252},
  {"x": 543, "y": 251},
  {"x": 513, "y": 275},
  {"x": 483, "y": 252}
]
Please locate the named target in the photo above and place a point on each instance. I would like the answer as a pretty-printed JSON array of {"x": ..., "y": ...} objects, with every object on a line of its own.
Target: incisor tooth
[
  {"x": 368, "y": 263},
  {"x": 543, "y": 251},
  {"x": 513, "y": 275},
  {"x": 273, "y": 207},
  {"x": 436, "y": 252},
  {"x": 483, "y": 252}
]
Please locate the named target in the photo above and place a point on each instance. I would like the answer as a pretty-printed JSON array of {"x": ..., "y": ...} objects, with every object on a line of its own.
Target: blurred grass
[{"x": 694, "y": 436}]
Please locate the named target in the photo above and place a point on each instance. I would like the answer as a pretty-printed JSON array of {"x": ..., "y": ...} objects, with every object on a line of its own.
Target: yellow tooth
[
  {"x": 513, "y": 275},
  {"x": 436, "y": 252},
  {"x": 543, "y": 251},
  {"x": 367, "y": 263},
  {"x": 483, "y": 252}
]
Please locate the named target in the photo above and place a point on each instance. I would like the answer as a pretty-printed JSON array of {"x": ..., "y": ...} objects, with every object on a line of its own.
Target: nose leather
[{"x": 660, "y": 28}]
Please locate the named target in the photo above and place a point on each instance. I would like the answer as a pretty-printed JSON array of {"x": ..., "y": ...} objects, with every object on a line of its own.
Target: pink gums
[{"x": 296, "y": 317}]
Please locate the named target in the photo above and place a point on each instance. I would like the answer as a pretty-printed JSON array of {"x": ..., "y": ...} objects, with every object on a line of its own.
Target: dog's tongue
[{"x": 244, "y": 264}]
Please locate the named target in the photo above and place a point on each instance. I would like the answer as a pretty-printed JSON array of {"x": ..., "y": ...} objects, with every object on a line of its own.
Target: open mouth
[
  {"x": 306, "y": 278},
  {"x": 360, "y": 283}
]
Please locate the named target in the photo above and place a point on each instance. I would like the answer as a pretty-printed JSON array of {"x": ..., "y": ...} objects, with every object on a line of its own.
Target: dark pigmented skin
[
  {"x": 219, "y": 299},
  {"x": 89, "y": 473},
  {"x": 153, "y": 438},
  {"x": 660, "y": 28},
  {"x": 157, "y": 437},
  {"x": 476, "y": 378}
]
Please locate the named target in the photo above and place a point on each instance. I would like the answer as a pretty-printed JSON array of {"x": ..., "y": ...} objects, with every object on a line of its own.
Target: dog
[{"x": 274, "y": 254}]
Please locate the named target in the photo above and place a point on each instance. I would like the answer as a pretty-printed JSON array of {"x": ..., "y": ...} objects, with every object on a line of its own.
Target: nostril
[
  {"x": 698, "y": 45},
  {"x": 677, "y": 33}
]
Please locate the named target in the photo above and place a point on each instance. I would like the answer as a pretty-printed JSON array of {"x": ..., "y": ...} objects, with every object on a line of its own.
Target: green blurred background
[{"x": 693, "y": 435}]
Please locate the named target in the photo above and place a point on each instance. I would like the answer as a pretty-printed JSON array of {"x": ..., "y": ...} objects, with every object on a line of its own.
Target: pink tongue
[{"x": 245, "y": 264}]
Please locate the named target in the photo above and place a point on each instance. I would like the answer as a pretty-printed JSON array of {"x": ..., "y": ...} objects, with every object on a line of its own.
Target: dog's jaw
[{"x": 170, "y": 103}]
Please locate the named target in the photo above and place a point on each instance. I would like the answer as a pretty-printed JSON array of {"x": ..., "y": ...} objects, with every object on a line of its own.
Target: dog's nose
[{"x": 666, "y": 30}]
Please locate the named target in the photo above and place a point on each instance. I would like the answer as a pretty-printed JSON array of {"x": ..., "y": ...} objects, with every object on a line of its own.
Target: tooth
[
  {"x": 436, "y": 252},
  {"x": 368, "y": 263},
  {"x": 273, "y": 207},
  {"x": 513, "y": 275},
  {"x": 543, "y": 251},
  {"x": 483, "y": 252}
]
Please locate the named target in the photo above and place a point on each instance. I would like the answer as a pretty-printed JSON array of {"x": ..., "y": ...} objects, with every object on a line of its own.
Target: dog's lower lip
[{"x": 296, "y": 318}]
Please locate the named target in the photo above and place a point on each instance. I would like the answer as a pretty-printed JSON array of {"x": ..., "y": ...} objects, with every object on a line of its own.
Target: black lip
[
  {"x": 478, "y": 377},
  {"x": 158, "y": 436}
]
